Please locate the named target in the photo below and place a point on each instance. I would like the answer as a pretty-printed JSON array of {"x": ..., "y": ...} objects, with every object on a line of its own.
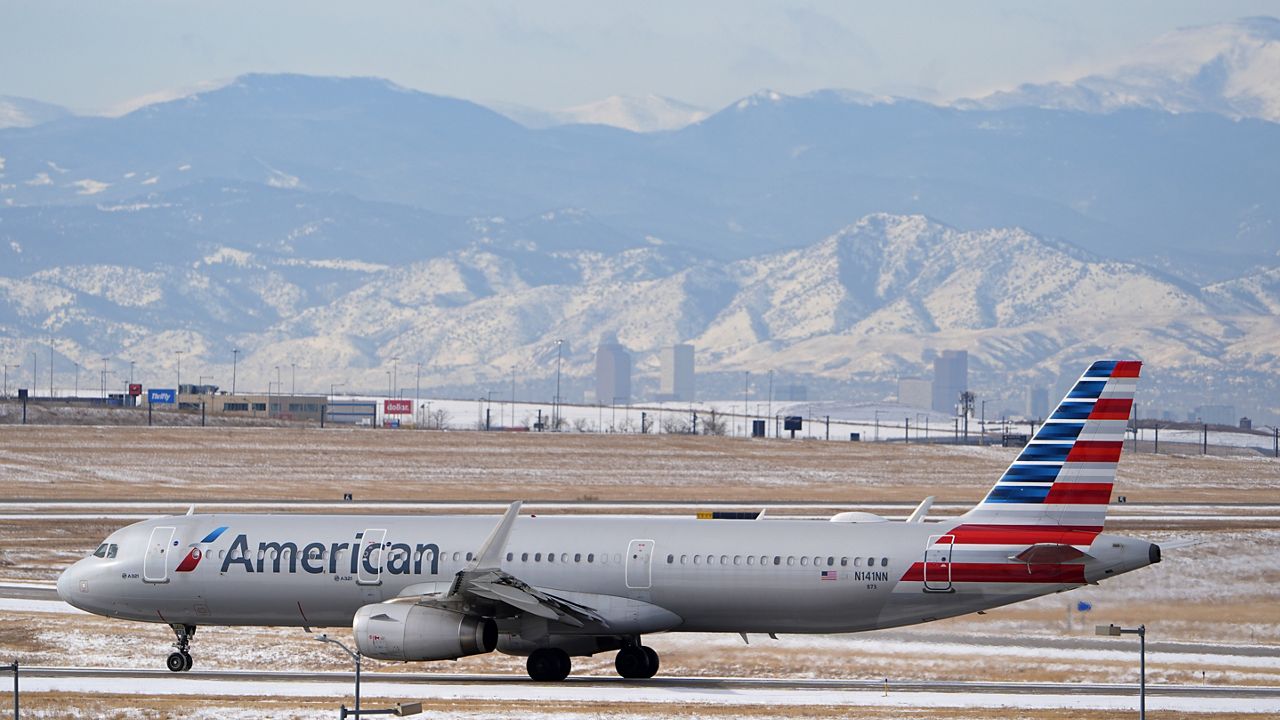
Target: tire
[
  {"x": 652, "y": 656},
  {"x": 188, "y": 662},
  {"x": 632, "y": 662},
  {"x": 176, "y": 662},
  {"x": 549, "y": 665}
]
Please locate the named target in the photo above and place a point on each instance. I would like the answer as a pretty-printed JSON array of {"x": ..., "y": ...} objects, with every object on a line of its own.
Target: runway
[{"x": 657, "y": 691}]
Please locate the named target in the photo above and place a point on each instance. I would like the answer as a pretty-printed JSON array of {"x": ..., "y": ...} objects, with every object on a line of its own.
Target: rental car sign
[
  {"x": 161, "y": 396},
  {"x": 397, "y": 407}
]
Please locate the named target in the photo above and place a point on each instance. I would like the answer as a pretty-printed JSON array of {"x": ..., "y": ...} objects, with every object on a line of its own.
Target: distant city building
[
  {"x": 613, "y": 372},
  {"x": 677, "y": 382},
  {"x": 950, "y": 378},
  {"x": 1246, "y": 423},
  {"x": 915, "y": 392},
  {"x": 1216, "y": 414},
  {"x": 1037, "y": 402}
]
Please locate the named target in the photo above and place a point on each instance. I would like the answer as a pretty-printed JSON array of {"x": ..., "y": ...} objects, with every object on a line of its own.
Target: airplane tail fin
[{"x": 1063, "y": 477}]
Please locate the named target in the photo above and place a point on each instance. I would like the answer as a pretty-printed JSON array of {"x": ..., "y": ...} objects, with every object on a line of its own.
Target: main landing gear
[
  {"x": 549, "y": 665},
  {"x": 180, "y": 660},
  {"x": 636, "y": 661}
]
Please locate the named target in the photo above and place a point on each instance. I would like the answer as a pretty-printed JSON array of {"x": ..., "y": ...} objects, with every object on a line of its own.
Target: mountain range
[{"x": 839, "y": 237}]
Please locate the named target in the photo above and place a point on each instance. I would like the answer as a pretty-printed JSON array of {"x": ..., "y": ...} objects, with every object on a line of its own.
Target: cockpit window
[{"x": 105, "y": 550}]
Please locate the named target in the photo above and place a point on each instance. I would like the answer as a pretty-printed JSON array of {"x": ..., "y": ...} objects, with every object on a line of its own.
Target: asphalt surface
[{"x": 673, "y": 683}]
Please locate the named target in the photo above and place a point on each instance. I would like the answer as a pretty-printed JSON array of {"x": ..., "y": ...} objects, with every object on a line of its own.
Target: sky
[{"x": 98, "y": 56}]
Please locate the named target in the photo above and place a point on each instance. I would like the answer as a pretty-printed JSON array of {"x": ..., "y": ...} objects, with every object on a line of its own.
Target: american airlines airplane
[{"x": 551, "y": 588}]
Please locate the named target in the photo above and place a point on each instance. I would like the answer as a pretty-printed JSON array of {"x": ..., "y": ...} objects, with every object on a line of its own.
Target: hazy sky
[{"x": 92, "y": 55}]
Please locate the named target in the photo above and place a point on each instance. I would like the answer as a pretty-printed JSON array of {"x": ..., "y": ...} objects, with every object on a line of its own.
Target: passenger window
[
  {"x": 577, "y": 557},
  {"x": 564, "y": 557},
  {"x": 591, "y": 557},
  {"x": 711, "y": 559},
  {"x": 457, "y": 557},
  {"x": 817, "y": 561},
  {"x": 524, "y": 557},
  {"x": 684, "y": 559},
  {"x": 697, "y": 559},
  {"x": 844, "y": 562},
  {"x": 737, "y": 559},
  {"x": 871, "y": 562},
  {"x": 671, "y": 559},
  {"x": 804, "y": 561},
  {"x": 777, "y": 559},
  {"x": 222, "y": 554},
  {"x": 537, "y": 557},
  {"x": 468, "y": 557},
  {"x": 831, "y": 561},
  {"x": 724, "y": 559},
  {"x": 509, "y": 556},
  {"x": 884, "y": 562},
  {"x": 764, "y": 559},
  {"x": 751, "y": 559},
  {"x": 857, "y": 562},
  {"x": 791, "y": 560},
  {"x": 551, "y": 557}
]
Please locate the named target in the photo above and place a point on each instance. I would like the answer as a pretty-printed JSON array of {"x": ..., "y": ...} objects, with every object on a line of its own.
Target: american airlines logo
[{"x": 192, "y": 559}]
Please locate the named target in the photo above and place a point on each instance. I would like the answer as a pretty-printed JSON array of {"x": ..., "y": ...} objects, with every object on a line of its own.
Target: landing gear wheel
[
  {"x": 652, "y": 656},
  {"x": 180, "y": 660},
  {"x": 633, "y": 662},
  {"x": 176, "y": 662},
  {"x": 549, "y": 665}
]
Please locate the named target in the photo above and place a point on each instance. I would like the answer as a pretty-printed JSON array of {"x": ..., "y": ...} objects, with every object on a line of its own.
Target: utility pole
[
  {"x": 555, "y": 407},
  {"x": 770, "y": 407},
  {"x": 76, "y": 391},
  {"x": 235, "y": 358},
  {"x": 50, "y": 368},
  {"x": 746, "y": 385},
  {"x": 417, "y": 388},
  {"x": 178, "y": 389},
  {"x": 6, "y": 377},
  {"x": 395, "y": 376},
  {"x": 293, "y": 379},
  {"x": 983, "y": 439},
  {"x": 513, "y": 396},
  {"x": 131, "y": 363}
]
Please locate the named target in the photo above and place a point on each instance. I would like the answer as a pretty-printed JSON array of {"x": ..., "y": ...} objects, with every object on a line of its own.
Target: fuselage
[{"x": 756, "y": 576}]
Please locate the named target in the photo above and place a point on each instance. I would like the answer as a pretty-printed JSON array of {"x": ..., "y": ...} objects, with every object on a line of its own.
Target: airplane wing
[{"x": 484, "y": 583}]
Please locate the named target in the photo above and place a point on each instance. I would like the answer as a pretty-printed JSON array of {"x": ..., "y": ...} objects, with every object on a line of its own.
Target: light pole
[
  {"x": 77, "y": 385},
  {"x": 355, "y": 656},
  {"x": 746, "y": 385},
  {"x": 555, "y": 415},
  {"x": 877, "y": 426},
  {"x": 395, "y": 376},
  {"x": 417, "y": 387},
  {"x": 279, "y": 391},
  {"x": 178, "y": 388},
  {"x": 770, "y": 414},
  {"x": 35, "y": 360},
  {"x": 1141, "y": 632},
  {"x": 293, "y": 379},
  {"x": 104, "y": 379},
  {"x": 131, "y": 364},
  {"x": 235, "y": 359},
  {"x": 334, "y": 385},
  {"x": 983, "y": 439},
  {"x": 389, "y": 384},
  {"x": 513, "y": 396},
  {"x": 6, "y": 377}
]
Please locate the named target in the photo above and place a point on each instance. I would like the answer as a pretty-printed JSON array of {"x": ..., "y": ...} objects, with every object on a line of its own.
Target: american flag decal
[{"x": 829, "y": 575}]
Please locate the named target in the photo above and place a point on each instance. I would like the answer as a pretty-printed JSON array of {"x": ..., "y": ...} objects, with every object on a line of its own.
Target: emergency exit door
[{"x": 639, "y": 564}]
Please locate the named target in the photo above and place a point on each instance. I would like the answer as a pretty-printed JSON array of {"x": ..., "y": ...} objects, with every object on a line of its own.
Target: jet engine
[{"x": 401, "y": 631}]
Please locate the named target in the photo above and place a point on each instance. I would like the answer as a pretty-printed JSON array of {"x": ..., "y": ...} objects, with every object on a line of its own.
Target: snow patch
[
  {"x": 228, "y": 256},
  {"x": 336, "y": 264}
]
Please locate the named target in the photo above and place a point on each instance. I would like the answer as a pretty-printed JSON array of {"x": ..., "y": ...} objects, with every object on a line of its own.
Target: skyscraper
[
  {"x": 677, "y": 373},
  {"x": 950, "y": 378},
  {"x": 1037, "y": 402},
  {"x": 613, "y": 372}
]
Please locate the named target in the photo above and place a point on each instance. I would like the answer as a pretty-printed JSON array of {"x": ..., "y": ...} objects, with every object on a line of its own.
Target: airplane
[{"x": 417, "y": 588}]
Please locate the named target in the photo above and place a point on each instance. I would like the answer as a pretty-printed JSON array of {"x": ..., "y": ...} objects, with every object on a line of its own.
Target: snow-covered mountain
[
  {"x": 24, "y": 112},
  {"x": 1230, "y": 69},
  {"x": 650, "y": 113},
  {"x": 865, "y": 305}
]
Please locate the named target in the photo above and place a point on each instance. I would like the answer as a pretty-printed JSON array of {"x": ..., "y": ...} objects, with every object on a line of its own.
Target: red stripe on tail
[
  {"x": 1127, "y": 369},
  {"x": 1111, "y": 409},
  {"x": 1095, "y": 451},
  {"x": 1079, "y": 494}
]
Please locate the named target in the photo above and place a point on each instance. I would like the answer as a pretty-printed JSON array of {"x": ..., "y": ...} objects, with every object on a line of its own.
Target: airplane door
[
  {"x": 937, "y": 563},
  {"x": 155, "y": 565},
  {"x": 371, "y": 554},
  {"x": 639, "y": 564}
]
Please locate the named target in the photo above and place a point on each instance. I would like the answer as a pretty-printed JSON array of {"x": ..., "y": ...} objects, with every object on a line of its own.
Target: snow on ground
[{"x": 613, "y": 693}]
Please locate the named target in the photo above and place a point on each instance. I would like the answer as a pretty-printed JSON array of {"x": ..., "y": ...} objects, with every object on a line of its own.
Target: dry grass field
[{"x": 1219, "y": 594}]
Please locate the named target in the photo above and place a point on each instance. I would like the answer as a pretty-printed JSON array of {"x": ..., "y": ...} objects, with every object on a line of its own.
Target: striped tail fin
[{"x": 1063, "y": 477}]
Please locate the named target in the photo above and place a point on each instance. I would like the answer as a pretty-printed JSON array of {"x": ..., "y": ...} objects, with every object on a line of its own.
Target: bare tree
[
  {"x": 714, "y": 424},
  {"x": 582, "y": 425},
  {"x": 675, "y": 425},
  {"x": 441, "y": 418}
]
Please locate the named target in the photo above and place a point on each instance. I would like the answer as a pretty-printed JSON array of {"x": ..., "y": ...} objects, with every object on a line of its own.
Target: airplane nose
[{"x": 72, "y": 582}]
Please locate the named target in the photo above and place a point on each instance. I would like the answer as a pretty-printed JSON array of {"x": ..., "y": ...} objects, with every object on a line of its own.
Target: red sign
[
  {"x": 397, "y": 407},
  {"x": 135, "y": 389}
]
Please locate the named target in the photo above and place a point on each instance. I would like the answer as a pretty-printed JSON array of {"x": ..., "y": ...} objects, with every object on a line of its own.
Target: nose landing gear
[{"x": 180, "y": 660}]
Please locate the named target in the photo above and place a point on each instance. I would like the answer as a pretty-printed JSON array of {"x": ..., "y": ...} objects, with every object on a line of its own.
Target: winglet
[
  {"x": 921, "y": 510},
  {"x": 490, "y": 555}
]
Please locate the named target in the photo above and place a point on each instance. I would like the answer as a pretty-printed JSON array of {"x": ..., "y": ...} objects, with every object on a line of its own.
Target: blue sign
[
  {"x": 161, "y": 396},
  {"x": 1083, "y": 606}
]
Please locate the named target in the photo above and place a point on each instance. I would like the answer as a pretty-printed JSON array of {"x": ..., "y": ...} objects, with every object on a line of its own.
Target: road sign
[
  {"x": 397, "y": 407},
  {"x": 161, "y": 396},
  {"x": 135, "y": 389}
]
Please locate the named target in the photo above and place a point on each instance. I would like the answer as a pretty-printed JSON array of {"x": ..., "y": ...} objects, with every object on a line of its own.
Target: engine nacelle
[{"x": 402, "y": 631}]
